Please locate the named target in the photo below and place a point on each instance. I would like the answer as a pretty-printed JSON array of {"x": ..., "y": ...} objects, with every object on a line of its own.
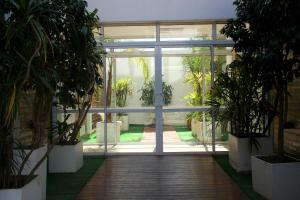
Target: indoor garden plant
[
  {"x": 26, "y": 29},
  {"x": 238, "y": 99},
  {"x": 198, "y": 77},
  {"x": 79, "y": 64},
  {"x": 147, "y": 96},
  {"x": 267, "y": 36},
  {"x": 123, "y": 90}
]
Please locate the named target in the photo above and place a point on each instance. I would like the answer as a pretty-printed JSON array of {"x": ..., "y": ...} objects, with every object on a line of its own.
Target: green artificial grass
[
  {"x": 134, "y": 134},
  {"x": 244, "y": 181},
  {"x": 66, "y": 186},
  {"x": 185, "y": 134}
]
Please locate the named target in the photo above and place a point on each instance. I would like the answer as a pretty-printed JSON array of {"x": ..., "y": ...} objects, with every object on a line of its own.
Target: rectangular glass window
[
  {"x": 131, "y": 72},
  {"x": 188, "y": 72},
  {"x": 185, "y": 32},
  {"x": 219, "y": 35},
  {"x": 129, "y": 33}
]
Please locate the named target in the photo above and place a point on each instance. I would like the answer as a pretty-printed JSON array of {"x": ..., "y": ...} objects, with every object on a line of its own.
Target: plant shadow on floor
[
  {"x": 244, "y": 181},
  {"x": 66, "y": 186}
]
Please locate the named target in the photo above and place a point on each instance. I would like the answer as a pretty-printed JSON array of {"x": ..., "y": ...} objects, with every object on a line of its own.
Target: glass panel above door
[
  {"x": 130, "y": 33},
  {"x": 186, "y": 32}
]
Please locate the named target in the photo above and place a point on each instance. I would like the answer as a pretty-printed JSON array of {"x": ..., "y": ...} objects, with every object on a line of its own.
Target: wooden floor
[{"x": 160, "y": 178}]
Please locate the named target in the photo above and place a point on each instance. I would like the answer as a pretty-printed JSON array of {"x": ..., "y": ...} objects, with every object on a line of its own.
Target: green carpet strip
[
  {"x": 185, "y": 134},
  {"x": 244, "y": 181},
  {"x": 66, "y": 186},
  {"x": 134, "y": 134}
]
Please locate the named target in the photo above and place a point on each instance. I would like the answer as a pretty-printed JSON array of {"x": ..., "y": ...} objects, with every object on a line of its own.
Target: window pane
[
  {"x": 186, "y": 32},
  {"x": 219, "y": 35},
  {"x": 129, "y": 33},
  {"x": 188, "y": 72},
  {"x": 132, "y": 74}
]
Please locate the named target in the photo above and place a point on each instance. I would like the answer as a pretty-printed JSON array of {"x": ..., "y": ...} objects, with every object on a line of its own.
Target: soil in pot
[{"x": 277, "y": 159}]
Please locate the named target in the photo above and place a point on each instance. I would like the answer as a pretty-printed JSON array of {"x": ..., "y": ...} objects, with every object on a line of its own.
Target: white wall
[{"x": 162, "y": 10}]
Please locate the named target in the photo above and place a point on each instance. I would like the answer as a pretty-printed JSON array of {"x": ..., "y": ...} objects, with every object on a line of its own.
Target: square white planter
[
  {"x": 240, "y": 152},
  {"x": 276, "y": 181},
  {"x": 34, "y": 158},
  {"x": 66, "y": 158},
  {"x": 197, "y": 128},
  {"x": 125, "y": 122},
  {"x": 30, "y": 191},
  {"x": 113, "y": 132}
]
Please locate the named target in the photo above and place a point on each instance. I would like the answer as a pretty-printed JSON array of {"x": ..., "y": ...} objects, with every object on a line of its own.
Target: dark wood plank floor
[{"x": 160, "y": 178}]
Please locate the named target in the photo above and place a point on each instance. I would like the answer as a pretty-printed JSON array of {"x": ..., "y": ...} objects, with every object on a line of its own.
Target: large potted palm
[
  {"x": 78, "y": 69},
  {"x": 271, "y": 50},
  {"x": 26, "y": 27}
]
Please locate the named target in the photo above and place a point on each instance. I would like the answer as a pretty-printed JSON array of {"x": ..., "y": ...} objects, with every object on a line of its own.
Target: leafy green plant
[
  {"x": 37, "y": 36},
  {"x": 78, "y": 65},
  {"x": 148, "y": 93},
  {"x": 267, "y": 36},
  {"x": 199, "y": 77},
  {"x": 123, "y": 89}
]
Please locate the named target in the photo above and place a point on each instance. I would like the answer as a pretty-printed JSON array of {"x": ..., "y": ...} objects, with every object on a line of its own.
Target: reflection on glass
[
  {"x": 130, "y": 75},
  {"x": 188, "y": 72},
  {"x": 129, "y": 33},
  {"x": 223, "y": 57},
  {"x": 185, "y": 32},
  {"x": 131, "y": 133},
  {"x": 220, "y": 36}
]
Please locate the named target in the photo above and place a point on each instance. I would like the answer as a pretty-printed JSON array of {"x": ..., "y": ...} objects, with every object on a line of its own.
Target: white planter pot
[
  {"x": 125, "y": 122},
  {"x": 197, "y": 129},
  {"x": 113, "y": 132},
  {"x": 276, "y": 181},
  {"x": 31, "y": 191},
  {"x": 34, "y": 158},
  {"x": 66, "y": 158},
  {"x": 240, "y": 152}
]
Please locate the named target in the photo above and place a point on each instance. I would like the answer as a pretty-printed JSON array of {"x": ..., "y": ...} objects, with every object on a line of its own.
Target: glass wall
[
  {"x": 129, "y": 33},
  {"x": 186, "y": 32},
  {"x": 137, "y": 54}
]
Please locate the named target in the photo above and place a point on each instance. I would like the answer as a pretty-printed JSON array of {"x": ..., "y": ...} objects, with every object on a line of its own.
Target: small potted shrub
[{"x": 123, "y": 89}]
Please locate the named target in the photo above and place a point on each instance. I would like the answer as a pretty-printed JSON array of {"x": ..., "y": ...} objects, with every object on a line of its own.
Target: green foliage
[
  {"x": 198, "y": 76},
  {"x": 47, "y": 49},
  {"x": 148, "y": 93},
  {"x": 267, "y": 36},
  {"x": 123, "y": 89}
]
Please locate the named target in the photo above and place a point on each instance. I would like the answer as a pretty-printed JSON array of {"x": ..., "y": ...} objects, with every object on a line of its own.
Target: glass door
[{"x": 186, "y": 85}]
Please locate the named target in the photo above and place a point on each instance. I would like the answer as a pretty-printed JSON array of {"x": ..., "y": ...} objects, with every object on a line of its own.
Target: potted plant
[
  {"x": 199, "y": 77},
  {"x": 123, "y": 89},
  {"x": 26, "y": 27},
  {"x": 78, "y": 66},
  {"x": 113, "y": 126},
  {"x": 244, "y": 106},
  {"x": 271, "y": 50},
  {"x": 147, "y": 96}
]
